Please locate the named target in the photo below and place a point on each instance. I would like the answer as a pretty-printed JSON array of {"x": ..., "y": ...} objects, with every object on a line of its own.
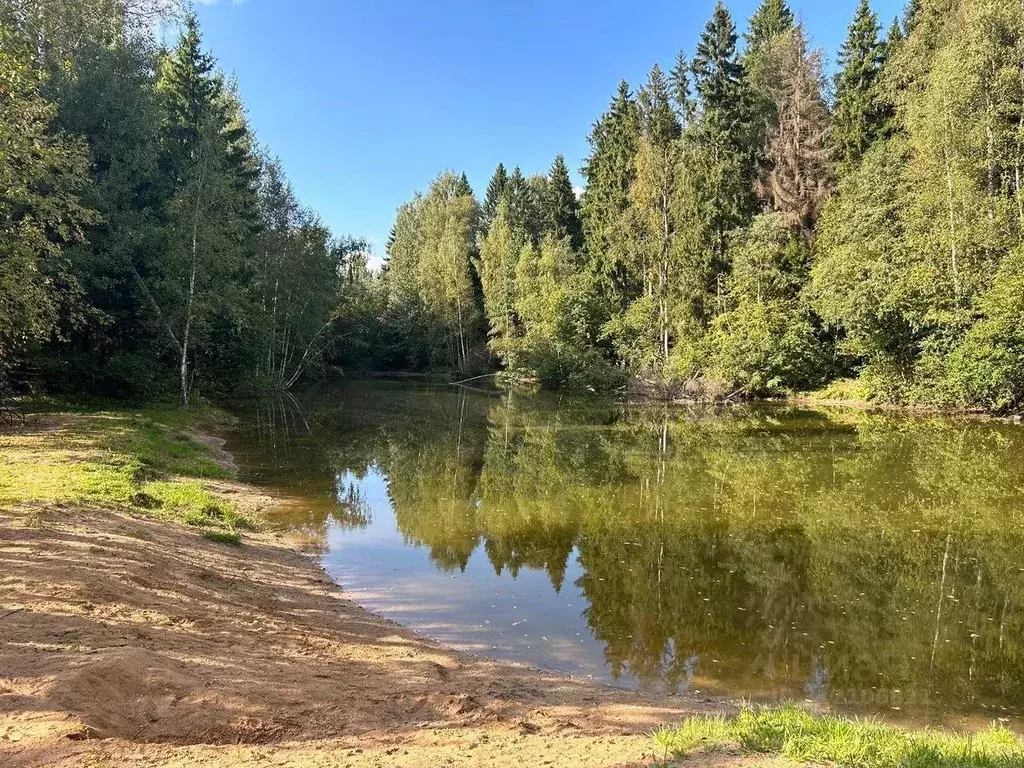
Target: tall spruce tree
[
  {"x": 859, "y": 114},
  {"x": 205, "y": 284},
  {"x": 771, "y": 19},
  {"x": 723, "y": 129},
  {"x": 609, "y": 173},
  {"x": 495, "y": 194},
  {"x": 679, "y": 81},
  {"x": 561, "y": 208},
  {"x": 524, "y": 205},
  {"x": 192, "y": 90}
]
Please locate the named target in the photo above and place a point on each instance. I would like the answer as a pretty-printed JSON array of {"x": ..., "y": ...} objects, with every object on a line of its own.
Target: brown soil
[{"x": 130, "y": 642}]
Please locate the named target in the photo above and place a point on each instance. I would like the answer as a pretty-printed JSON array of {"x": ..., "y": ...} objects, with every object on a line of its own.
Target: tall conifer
[
  {"x": 858, "y": 116},
  {"x": 561, "y": 208}
]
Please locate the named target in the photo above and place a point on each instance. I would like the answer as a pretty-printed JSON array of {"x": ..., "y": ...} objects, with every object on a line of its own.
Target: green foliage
[
  {"x": 807, "y": 739},
  {"x": 561, "y": 209},
  {"x": 495, "y": 194},
  {"x": 858, "y": 117},
  {"x": 230, "y": 538},
  {"x": 556, "y": 304},
  {"x": 41, "y": 176},
  {"x": 765, "y": 342},
  {"x": 148, "y": 244},
  {"x": 431, "y": 281},
  {"x": 608, "y": 172},
  {"x": 147, "y": 462},
  {"x": 144, "y": 234},
  {"x": 771, "y": 19}
]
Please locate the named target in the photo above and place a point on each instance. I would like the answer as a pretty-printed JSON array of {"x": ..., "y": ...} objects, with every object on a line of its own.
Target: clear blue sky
[{"x": 365, "y": 101}]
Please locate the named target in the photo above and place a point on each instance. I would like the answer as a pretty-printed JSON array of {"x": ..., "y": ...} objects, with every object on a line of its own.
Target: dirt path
[{"x": 132, "y": 642}]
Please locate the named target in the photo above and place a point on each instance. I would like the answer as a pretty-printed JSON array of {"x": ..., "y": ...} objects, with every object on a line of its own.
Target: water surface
[{"x": 870, "y": 562}]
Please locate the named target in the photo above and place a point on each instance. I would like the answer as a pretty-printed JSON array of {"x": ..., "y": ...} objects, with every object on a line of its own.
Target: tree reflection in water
[{"x": 875, "y": 561}]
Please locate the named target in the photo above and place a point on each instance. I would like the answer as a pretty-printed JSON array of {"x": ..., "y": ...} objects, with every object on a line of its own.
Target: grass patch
[
  {"x": 231, "y": 538},
  {"x": 843, "y": 391},
  {"x": 790, "y": 732},
  {"x": 142, "y": 460}
]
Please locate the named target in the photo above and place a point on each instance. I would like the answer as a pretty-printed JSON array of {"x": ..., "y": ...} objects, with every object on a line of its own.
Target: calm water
[{"x": 874, "y": 563}]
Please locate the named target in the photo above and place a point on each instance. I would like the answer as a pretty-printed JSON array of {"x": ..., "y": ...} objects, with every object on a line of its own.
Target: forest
[
  {"x": 750, "y": 224},
  {"x": 149, "y": 246}
]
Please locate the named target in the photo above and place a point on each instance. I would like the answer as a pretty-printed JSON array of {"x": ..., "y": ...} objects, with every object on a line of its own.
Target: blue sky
[{"x": 365, "y": 101}]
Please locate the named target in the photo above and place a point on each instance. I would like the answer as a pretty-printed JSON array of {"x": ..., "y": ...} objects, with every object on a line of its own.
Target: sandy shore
[{"x": 132, "y": 642}]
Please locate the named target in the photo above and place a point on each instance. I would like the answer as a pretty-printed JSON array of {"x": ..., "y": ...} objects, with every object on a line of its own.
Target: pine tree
[
  {"x": 561, "y": 208},
  {"x": 858, "y": 117},
  {"x": 495, "y": 194},
  {"x": 771, "y": 19}
]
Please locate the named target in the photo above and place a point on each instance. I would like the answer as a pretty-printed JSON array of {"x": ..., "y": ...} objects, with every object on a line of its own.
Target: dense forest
[
  {"x": 748, "y": 226},
  {"x": 148, "y": 244}
]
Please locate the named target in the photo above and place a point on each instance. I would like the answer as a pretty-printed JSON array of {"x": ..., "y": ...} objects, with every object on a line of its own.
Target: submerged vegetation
[
  {"x": 814, "y": 740},
  {"x": 144, "y": 461}
]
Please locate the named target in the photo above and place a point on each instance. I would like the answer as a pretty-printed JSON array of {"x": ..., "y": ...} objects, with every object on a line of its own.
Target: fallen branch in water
[{"x": 475, "y": 378}]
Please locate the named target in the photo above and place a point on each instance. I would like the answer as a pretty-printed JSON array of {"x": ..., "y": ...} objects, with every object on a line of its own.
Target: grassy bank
[
  {"x": 146, "y": 461},
  {"x": 806, "y": 739}
]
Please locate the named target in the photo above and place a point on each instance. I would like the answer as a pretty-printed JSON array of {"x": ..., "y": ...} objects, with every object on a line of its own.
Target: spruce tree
[
  {"x": 679, "y": 80},
  {"x": 609, "y": 173},
  {"x": 771, "y": 19},
  {"x": 858, "y": 119},
  {"x": 463, "y": 188},
  {"x": 524, "y": 207},
  {"x": 204, "y": 290},
  {"x": 192, "y": 90},
  {"x": 724, "y": 135},
  {"x": 658, "y": 121},
  {"x": 495, "y": 194},
  {"x": 717, "y": 71},
  {"x": 561, "y": 208}
]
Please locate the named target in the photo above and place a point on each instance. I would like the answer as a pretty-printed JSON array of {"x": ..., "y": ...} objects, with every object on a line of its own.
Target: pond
[{"x": 870, "y": 562}]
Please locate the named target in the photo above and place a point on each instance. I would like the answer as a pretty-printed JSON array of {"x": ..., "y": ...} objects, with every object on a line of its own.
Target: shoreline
[{"x": 133, "y": 640}]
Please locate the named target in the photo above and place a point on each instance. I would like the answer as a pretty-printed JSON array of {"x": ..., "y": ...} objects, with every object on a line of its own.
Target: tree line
[
  {"x": 148, "y": 244},
  {"x": 749, "y": 227}
]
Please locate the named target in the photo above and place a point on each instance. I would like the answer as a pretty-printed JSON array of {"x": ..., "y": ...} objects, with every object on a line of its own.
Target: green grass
[
  {"x": 141, "y": 460},
  {"x": 806, "y": 739},
  {"x": 843, "y": 391},
  {"x": 224, "y": 537}
]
